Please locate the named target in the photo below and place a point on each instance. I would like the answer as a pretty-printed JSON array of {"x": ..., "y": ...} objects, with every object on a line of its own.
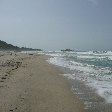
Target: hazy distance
[{"x": 57, "y": 24}]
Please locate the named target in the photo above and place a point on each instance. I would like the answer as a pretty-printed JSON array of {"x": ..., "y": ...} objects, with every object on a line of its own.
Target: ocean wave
[{"x": 94, "y": 69}]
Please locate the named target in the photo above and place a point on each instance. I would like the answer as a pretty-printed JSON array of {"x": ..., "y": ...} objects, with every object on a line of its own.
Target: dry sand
[{"x": 29, "y": 84}]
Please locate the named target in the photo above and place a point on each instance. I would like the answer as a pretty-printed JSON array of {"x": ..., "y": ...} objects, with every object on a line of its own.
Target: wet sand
[
  {"x": 91, "y": 100},
  {"x": 29, "y": 84}
]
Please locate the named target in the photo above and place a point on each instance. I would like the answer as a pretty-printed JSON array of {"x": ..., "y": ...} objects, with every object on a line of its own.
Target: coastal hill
[{"x": 6, "y": 46}]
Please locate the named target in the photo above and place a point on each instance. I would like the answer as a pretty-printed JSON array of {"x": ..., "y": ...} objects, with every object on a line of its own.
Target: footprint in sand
[{"x": 3, "y": 78}]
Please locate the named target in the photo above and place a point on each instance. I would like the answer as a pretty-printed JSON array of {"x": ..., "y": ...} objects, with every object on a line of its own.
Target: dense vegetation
[{"x": 6, "y": 46}]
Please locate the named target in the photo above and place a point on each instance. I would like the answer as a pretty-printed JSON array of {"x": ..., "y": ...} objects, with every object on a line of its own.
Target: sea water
[{"x": 94, "y": 69}]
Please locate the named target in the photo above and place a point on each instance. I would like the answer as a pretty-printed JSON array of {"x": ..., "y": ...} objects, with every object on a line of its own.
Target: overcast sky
[{"x": 57, "y": 24}]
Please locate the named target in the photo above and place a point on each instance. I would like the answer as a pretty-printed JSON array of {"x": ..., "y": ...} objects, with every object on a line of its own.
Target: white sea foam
[{"x": 97, "y": 77}]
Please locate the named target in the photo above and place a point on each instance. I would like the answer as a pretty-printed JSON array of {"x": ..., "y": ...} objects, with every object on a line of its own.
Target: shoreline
[
  {"x": 34, "y": 85},
  {"x": 91, "y": 100}
]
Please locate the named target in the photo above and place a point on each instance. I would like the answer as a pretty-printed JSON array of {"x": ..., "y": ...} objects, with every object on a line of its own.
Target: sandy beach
[{"x": 28, "y": 83}]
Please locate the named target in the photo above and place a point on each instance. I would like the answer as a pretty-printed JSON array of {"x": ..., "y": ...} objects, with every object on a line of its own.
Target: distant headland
[{"x": 69, "y": 50}]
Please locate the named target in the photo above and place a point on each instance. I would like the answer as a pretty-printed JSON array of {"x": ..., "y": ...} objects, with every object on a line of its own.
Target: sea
[{"x": 90, "y": 76}]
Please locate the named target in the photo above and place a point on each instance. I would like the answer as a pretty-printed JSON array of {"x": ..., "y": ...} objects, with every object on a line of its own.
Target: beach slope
[{"x": 35, "y": 86}]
